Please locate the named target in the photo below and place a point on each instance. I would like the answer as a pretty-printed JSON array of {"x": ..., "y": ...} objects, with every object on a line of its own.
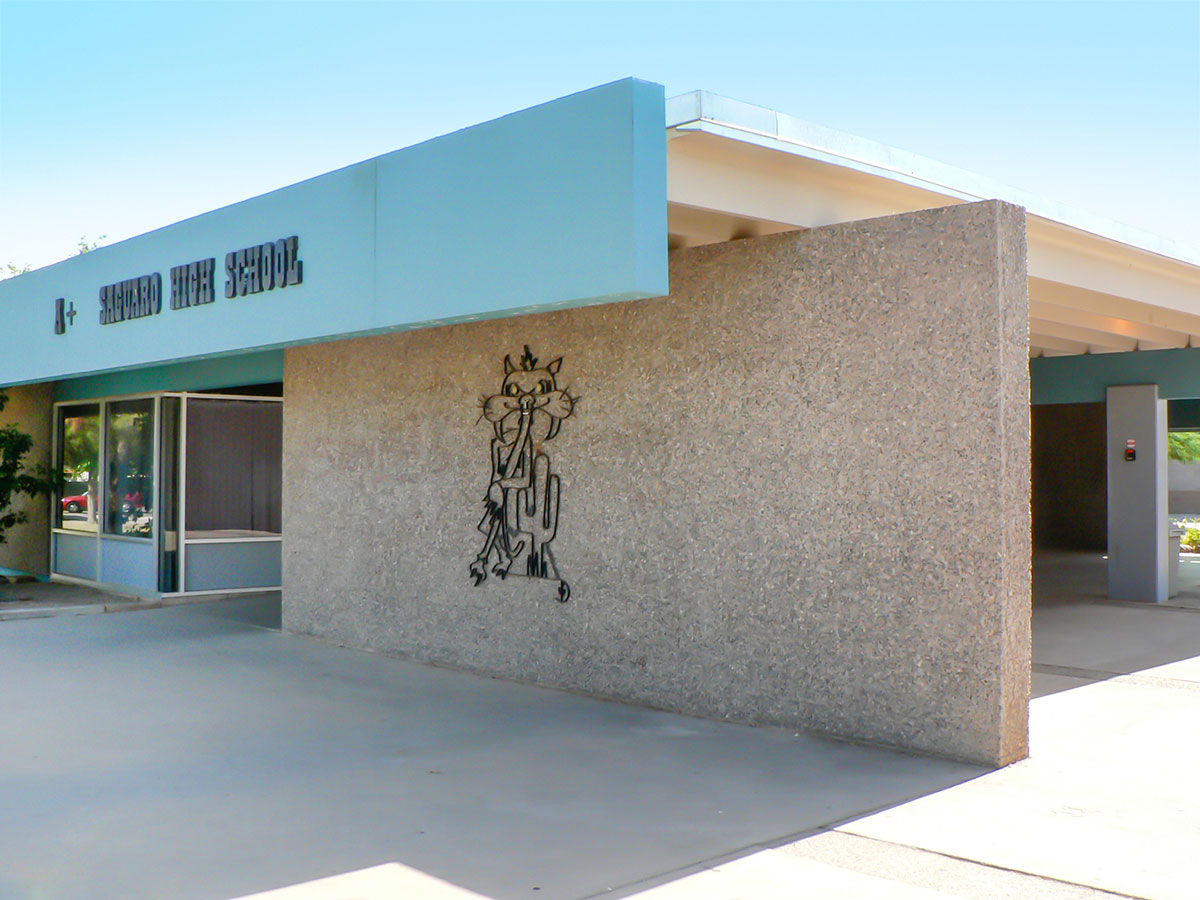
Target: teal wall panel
[
  {"x": 1183, "y": 415},
  {"x": 583, "y": 186},
  {"x": 560, "y": 205},
  {"x": 240, "y": 369},
  {"x": 1084, "y": 379}
]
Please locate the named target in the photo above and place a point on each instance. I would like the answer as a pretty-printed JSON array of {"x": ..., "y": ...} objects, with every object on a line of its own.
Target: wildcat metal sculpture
[{"x": 522, "y": 499}]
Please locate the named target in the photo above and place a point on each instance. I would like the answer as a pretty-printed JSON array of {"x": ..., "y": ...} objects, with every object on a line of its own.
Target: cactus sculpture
[
  {"x": 535, "y": 513},
  {"x": 521, "y": 518}
]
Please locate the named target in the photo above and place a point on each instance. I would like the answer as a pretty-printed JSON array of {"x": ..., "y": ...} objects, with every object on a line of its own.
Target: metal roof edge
[{"x": 711, "y": 113}]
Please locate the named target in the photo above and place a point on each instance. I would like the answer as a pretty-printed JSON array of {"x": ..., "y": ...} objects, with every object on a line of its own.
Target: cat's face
[{"x": 529, "y": 390}]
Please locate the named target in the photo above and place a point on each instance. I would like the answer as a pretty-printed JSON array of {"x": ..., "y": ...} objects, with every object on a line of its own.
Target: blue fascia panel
[
  {"x": 557, "y": 206},
  {"x": 1084, "y": 379},
  {"x": 553, "y": 217},
  {"x": 195, "y": 375}
]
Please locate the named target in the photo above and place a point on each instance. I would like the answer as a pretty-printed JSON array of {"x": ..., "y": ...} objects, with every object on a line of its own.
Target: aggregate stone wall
[
  {"x": 27, "y": 547},
  {"x": 795, "y": 491}
]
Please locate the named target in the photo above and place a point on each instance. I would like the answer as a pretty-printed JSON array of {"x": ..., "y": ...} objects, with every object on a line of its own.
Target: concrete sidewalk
[
  {"x": 1107, "y": 805},
  {"x": 188, "y": 753},
  {"x": 31, "y": 599},
  {"x": 28, "y": 599},
  {"x": 193, "y": 753}
]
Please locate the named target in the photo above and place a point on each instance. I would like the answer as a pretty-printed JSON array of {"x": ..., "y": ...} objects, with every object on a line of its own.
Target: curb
[{"x": 131, "y": 605}]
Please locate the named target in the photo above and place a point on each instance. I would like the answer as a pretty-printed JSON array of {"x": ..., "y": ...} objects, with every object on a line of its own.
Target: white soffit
[{"x": 1096, "y": 286}]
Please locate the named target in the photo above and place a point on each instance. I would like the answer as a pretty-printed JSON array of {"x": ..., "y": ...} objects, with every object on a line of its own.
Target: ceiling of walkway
[{"x": 1088, "y": 292}]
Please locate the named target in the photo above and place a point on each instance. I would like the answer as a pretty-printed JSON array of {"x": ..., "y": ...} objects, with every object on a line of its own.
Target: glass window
[
  {"x": 129, "y": 447},
  {"x": 234, "y": 478},
  {"x": 79, "y": 464}
]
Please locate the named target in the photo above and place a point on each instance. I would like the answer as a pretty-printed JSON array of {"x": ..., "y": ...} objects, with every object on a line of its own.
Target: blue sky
[{"x": 116, "y": 118}]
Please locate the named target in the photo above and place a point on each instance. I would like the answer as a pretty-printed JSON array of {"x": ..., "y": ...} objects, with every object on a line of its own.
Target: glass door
[{"x": 76, "y": 514}]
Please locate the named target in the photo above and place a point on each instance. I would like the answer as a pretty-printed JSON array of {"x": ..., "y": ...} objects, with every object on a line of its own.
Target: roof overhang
[
  {"x": 557, "y": 206},
  {"x": 737, "y": 170}
]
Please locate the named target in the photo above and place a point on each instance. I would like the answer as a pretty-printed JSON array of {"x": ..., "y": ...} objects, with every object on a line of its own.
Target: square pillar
[{"x": 1137, "y": 494}]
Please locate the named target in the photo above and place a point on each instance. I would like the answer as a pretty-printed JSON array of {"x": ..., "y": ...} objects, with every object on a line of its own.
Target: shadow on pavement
[
  {"x": 259, "y": 610},
  {"x": 190, "y": 752}
]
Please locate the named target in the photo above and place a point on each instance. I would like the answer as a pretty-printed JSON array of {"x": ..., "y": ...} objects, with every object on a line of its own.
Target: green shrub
[
  {"x": 1190, "y": 542},
  {"x": 15, "y": 478}
]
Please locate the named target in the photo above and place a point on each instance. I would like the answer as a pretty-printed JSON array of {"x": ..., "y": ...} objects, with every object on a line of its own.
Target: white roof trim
[{"x": 713, "y": 114}]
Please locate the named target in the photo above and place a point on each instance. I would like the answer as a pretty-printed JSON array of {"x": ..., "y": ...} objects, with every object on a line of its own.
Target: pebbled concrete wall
[
  {"x": 27, "y": 547},
  {"x": 795, "y": 491}
]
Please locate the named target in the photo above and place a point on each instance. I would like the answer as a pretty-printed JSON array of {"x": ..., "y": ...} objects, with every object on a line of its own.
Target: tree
[
  {"x": 86, "y": 246},
  {"x": 9, "y": 269},
  {"x": 15, "y": 478},
  {"x": 1183, "y": 446}
]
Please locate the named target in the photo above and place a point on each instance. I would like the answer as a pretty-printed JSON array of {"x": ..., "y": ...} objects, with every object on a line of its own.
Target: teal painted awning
[{"x": 561, "y": 205}]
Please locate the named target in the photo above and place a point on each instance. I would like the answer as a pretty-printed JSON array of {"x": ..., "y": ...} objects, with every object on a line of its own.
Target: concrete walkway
[
  {"x": 189, "y": 753},
  {"x": 193, "y": 752},
  {"x": 30, "y": 599},
  {"x": 38, "y": 599}
]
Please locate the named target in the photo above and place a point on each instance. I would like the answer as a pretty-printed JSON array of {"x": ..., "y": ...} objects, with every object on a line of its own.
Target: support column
[{"x": 1137, "y": 494}]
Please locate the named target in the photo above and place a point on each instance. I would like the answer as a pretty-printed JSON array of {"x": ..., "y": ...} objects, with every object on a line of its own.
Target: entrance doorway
[{"x": 169, "y": 493}]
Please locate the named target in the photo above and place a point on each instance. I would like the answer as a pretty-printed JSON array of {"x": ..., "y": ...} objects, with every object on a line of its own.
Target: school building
[{"x": 681, "y": 402}]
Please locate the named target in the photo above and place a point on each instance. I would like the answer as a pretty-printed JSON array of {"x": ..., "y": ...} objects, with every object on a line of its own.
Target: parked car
[{"x": 75, "y": 504}]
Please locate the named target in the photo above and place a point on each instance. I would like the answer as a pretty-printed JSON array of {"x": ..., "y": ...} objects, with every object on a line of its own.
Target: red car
[{"x": 75, "y": 504}]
